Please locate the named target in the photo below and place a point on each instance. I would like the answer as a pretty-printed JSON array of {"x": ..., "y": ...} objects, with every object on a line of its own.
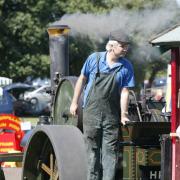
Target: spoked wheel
[
  {"x": 47, "y": 164},
  {"x": 55, "y": 152}
]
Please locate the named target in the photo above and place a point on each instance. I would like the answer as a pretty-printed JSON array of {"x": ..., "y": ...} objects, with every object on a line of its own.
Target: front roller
[{"x": 55, "y": 152}]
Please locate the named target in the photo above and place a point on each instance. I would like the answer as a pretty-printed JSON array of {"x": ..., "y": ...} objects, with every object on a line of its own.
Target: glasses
[
  {"x": 124, "y": 46},
  {"x": 120, "y": 45}
]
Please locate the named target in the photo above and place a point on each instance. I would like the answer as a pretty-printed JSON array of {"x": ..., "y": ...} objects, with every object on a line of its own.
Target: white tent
[{"x": 5, "y": 81}]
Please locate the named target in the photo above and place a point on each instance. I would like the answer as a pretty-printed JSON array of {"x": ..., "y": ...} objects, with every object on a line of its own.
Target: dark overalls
[{"x": 101, "y": 121}]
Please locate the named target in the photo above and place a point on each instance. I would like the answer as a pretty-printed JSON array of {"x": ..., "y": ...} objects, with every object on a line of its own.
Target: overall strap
[
  {"x": 98, "y": 71},
  {"x": 118, "y": 69},
  {"x": 97, "y": 61}
]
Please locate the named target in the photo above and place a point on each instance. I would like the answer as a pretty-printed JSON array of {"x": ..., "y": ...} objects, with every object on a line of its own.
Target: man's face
[{"x": 120, "y": 49}]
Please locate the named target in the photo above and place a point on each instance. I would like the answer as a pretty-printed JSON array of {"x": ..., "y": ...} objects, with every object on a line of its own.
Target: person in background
[{"x": 106, "y": 78}]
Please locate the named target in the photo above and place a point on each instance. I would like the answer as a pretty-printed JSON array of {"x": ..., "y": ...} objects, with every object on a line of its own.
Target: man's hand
[
  {"x": 73, "y": 108},
  {"x": 124, "y": 118}
]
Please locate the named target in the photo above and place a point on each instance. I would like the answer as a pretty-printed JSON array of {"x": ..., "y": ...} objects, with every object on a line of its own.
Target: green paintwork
[
  {"x": 127, "y": 163},
  {"x": 148, "y": 156},
  {"x": 140, "y": 149},
  {"x": 132, "y": 158},
  {"x": 63, "y": 98}
]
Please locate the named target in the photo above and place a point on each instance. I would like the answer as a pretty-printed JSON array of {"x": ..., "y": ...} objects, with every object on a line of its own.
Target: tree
[
  {"x": 24, "y": 41},
  {"x": 23, "y": 37},
  {"x": 24, "y": 50}
]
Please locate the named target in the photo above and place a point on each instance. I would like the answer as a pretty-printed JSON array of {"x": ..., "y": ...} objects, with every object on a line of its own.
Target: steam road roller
[{"x": 57, "y": 151}]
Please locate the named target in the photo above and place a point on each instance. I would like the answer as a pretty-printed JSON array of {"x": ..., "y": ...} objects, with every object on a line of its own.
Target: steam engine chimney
[{"x": 58, "y": 46}]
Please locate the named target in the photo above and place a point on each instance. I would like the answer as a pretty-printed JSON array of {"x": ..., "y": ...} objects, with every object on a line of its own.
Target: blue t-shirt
[{"x": 124, "y": 77}]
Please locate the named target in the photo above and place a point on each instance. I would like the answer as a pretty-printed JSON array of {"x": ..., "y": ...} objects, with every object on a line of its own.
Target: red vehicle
[{"x": 10, "y": 133}]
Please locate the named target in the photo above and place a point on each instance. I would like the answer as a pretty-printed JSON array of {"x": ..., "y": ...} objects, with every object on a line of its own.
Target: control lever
[{"x": 67, "y": 115}]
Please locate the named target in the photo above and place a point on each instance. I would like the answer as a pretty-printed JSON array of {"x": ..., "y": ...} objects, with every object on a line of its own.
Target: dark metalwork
[
  {"x": 58, "y": 45},
  {"x": 166, "y": 157},
  {"x": 144, "y": 133},
  {"x": 43, "y": 120}
]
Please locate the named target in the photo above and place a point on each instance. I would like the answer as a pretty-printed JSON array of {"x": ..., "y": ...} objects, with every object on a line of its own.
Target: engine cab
[{"x": 170, "y": 40}]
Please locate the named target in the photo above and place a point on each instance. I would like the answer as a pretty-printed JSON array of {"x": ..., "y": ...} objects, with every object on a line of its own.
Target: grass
[{"x": 33, "y": 120}]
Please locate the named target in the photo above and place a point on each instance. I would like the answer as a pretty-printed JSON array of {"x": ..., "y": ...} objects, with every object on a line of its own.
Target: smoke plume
[{"x": 141, "y": 26}]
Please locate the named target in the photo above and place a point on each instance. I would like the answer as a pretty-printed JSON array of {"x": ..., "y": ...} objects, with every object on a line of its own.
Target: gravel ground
[{"x": 12, "y": 173}]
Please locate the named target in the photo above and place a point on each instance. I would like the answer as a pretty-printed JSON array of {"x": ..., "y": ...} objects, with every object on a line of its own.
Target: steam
[
  {"x": 178, "y": 2},
  {"x": 145, "y": 22},
  {"x": 142, "y": 25}
]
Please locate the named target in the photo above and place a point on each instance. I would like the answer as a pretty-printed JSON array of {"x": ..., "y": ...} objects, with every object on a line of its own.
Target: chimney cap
[{"x": 56, "y": 30}]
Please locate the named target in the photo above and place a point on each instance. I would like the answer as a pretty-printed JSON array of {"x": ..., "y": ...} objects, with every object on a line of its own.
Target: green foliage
[
  {"x": 29, "y": 65},
  {"x": 24, "y": 48},
  {"x": 99, "y": 6},
  {"x": 108, "y": 5},
  {"x": 24, "y": 41},
  {"x": 80, "y": 48}
]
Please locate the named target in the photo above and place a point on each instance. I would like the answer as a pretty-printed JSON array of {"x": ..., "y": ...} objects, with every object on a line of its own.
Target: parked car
[
  {"x": 10, "y": 96},
  {"x": 17, "y": 99},
  {"x": 39, "y": 98},
  {"x": 6, "y": 102}
]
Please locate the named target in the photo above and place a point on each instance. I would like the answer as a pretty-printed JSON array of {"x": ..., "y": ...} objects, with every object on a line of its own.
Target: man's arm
[
  {"x": 77, "y": 93},
  {"x": 124, "y": 105}
]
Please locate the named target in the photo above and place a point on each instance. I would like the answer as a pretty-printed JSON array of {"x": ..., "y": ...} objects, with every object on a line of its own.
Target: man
[{"x": 107, "y": 76}]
